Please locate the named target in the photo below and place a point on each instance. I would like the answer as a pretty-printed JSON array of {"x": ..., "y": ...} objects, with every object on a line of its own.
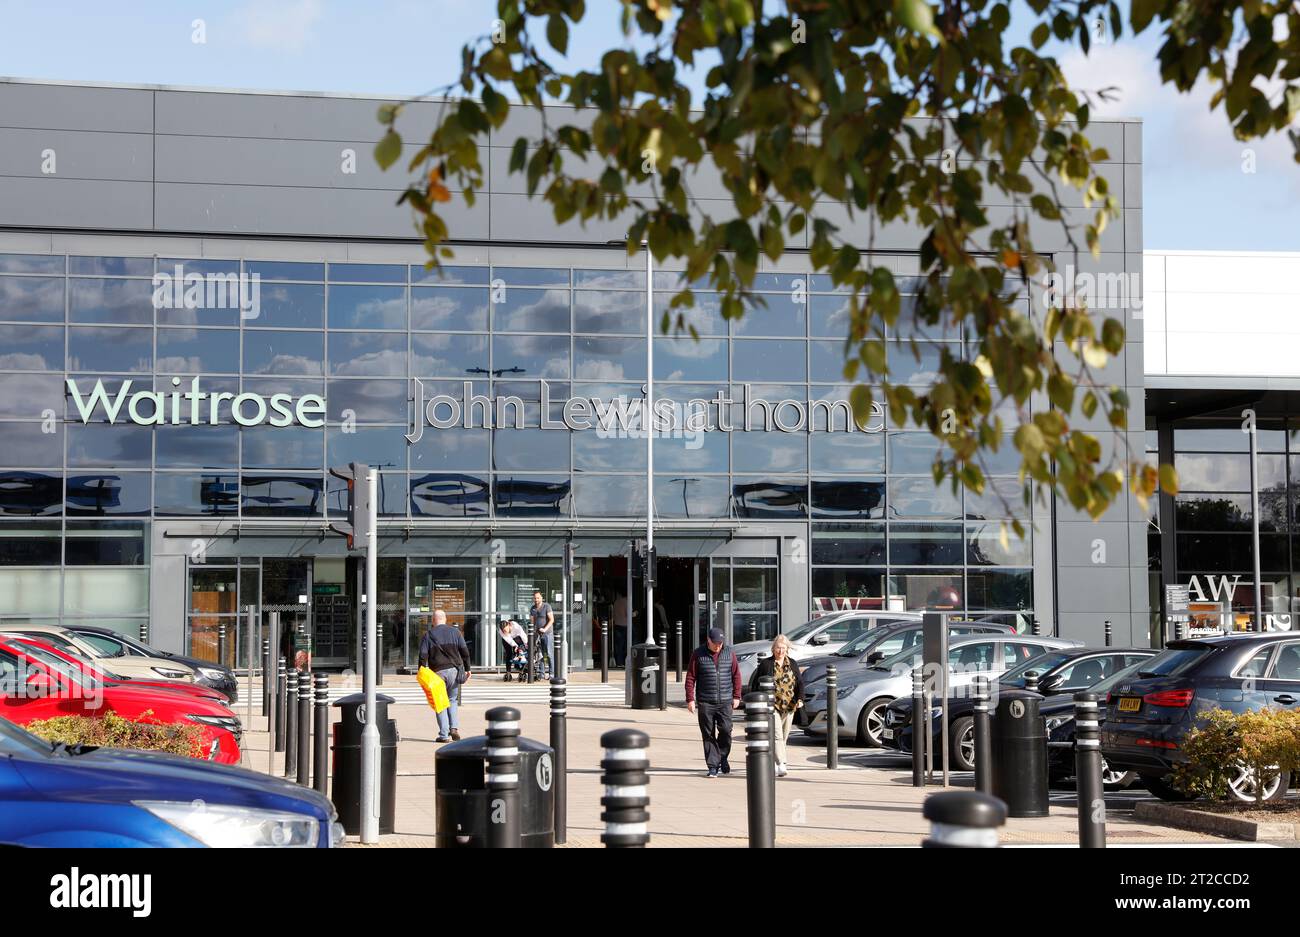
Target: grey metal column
[
  {"x": 627, "y": 631},
  {"x": 1254, "y": 525},
  {"x": 649, "y": 427},
  {"x": 250, "y": 651},
  {"x": 370, "y": 732}
]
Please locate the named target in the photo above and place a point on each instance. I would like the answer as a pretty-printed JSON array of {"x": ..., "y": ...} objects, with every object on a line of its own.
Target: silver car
[
  {"x": 864, "y": 695},
  {"x": 824, "y": 635}
]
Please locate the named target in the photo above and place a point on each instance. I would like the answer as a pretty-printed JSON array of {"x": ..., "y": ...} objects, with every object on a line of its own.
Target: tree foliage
[{"x": 896, "y": 112}]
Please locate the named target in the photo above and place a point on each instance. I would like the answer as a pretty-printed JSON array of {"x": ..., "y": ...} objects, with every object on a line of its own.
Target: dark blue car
[{"x": 52, "y": 795}]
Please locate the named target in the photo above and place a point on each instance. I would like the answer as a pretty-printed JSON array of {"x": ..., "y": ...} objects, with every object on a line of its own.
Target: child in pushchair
[{"x": 516, "y": 656}]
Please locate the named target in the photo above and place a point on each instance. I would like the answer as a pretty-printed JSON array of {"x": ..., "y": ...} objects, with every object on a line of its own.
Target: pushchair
[{"x": 517, "y": 660}]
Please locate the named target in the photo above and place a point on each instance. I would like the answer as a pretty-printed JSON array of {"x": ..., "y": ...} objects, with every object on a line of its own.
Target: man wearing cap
[{"x": 713, "y": 691}]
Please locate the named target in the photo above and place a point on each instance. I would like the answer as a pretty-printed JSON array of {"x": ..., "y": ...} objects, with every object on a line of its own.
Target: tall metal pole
[
  {"x": 250, "y": 651},
  {"x": 1254, "y": 526},
  {"x": 370, "y": 734},
  {"x": 650, "y": 444}
]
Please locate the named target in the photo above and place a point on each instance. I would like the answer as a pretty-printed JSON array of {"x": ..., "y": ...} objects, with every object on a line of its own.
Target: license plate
[
  {"x": 886, "y": 733},
  {"x": 1130, "y": 704}
]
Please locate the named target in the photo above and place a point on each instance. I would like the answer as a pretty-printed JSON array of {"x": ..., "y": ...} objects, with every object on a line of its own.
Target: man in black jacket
[
  {"x": 713, "y": 689},
  {"x": 444, "y": 651}
]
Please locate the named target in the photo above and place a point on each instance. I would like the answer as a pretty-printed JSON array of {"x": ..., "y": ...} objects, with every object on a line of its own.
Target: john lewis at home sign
[{"x": 195, "y": 406}]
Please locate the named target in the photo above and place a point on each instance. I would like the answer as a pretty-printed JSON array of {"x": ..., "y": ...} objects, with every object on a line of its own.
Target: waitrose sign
[{"x": 193, "y": 406}]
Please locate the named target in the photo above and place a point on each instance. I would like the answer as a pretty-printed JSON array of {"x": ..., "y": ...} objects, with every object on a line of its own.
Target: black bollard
[
  {"x": 983, "y": 738},
  {"x": 919, "y": 740},
  {"x": 1031, "y": 681},
  {"x": 963, "y": 819},
  {"x": 280, "y": 682},
  {"x": 304, "y": 729},
  {"x": 503, "y": 829},
  {"x": 1035, "y": 626},
  {"x": 266, "y": 676},
  {"x": 663, "y": 670},
  {"x": 1178, "y": 629},
  {"x": 753, "y": 631},
  {"x": 832, "y": 718},
  {"x": 1107, "y": 632},
  {"x": 760, "y": 775},
  {"x": 291, "y": 725},
  {"x": 625, "y": 773},
  {"x": 559, "y": 742},
  {"x": 321, "y": 777},
  {"x": 604, "y": 652},
  {"x": 221, "y": 644},
  {"x": 767, "y": 686},
  {"x": 1087, "y": 771},
  {"x": 678, "y": 641},
  {"x": 532, "y": 651}
]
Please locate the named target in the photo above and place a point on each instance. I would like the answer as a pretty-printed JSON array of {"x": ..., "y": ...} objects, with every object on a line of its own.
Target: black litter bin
[
  {"x": 648, "y": 672},
  {"x": 346, "y": 789},
  {"x": 461, "y": 793},
  {"x": 1019, "y": 743}
]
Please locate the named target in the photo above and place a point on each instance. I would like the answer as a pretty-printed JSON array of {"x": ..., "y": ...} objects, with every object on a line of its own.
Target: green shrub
[
  {"x": 114, "y": 731},
  {"x": 1264, "y": 742}
]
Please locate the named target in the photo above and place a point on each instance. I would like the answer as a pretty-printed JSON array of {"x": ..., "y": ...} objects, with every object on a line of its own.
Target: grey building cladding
[{"x": 129, "y": 523}]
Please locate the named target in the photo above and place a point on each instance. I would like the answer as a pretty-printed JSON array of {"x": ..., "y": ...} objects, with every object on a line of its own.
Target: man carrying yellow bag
[
  {"x": 435, "y": 689},
  {"x": 443, "y": 651}
]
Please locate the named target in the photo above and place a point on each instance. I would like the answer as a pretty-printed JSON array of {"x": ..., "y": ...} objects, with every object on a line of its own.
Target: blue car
[{"x": 53, "y": 795}]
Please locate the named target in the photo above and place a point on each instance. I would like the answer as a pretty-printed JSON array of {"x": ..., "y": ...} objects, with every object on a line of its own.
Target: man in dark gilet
[{"x": 712, "y": 692}]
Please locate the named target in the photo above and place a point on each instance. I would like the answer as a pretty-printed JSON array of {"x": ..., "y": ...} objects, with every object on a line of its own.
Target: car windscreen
[
  {"x": 1102, "y": 687},
  {"x": 1039, "y": 665},
  {"x": 1172, "y": 661},
  {"x": 807, "y": 628},
  {"x": 59, "y": 665}
]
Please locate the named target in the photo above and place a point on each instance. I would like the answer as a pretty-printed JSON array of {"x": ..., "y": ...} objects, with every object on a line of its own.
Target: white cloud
[
  {"x": 274, "y": 24},
  {"x": 1127, "y": 67}
]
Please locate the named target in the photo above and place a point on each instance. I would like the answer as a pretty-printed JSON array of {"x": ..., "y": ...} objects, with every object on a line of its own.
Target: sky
[{"x": 1197, "y": 193}]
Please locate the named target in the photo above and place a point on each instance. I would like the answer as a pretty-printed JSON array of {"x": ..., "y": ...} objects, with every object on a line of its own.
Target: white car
[
  {"x": 824, "y": 635},
  {"x": 863, "y": 697},
  {"x": 158, "y": 669}
]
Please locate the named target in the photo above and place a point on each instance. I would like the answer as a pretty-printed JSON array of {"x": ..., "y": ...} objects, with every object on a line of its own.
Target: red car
[
  {"x": 96, "y": 672},
  {"x": 36, "y": 683}
]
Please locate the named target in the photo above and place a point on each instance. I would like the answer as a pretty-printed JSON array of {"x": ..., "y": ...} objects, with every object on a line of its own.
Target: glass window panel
[
  {"x": 596, "y": 451},
  {"x": 31, "y": 494},
  {"x": 609, "y": 312},
  {"x": 31, "y": 299},
  {"x": 1228, "y": 438},
  {"x": 837, "y": 588},
  {"x": 848, "y": 452},
  {"x": 371, "y": 401},
  {"x": 532, "y": 276},
  {"x": 367, "y": 273},
  {"x": 919, "y": 497},
  {"x": 848, "y": 544},
  {"x": 27, "y": 445},
  {"x": 31, "y": 263},
  {"x": 196, "y": 446},
  {"x": 31, "y": 347},
  {"x": 611, "y": 280},
  {"x": 367, "y": 307},
  {"x": 449, "y": 495},
  {"x": 468, "y": 276},
  {"x": 1001, "y": 498},
  {"x": 531, "y": 449},
  {"x": 290, "y": 447},
  {"x": 366, "y": 354},
  {"x": 985, "y": 547},
  {"x": 269, "y": 352},
  {"x": 192, "y": 265},
  {"x": 769, "y": 497},
  {"x": 289, "y": 306},
  {"x": 526, "y": 310},
  {"x": 284, "y": 270},
  {"x": 383, "y": 447},
  {"x": 195, "y": 495},
  {"x": 106, "y": 592},
  {"x": 682, "y": 358},
  {"x": 779, "y": 314},
  {"x": 771, "y": 451},
  {"x": 110, "y": 349},
  {"x": 107, "y": 543},
  {"x": 27, "y": 396},
  {"x": 392, "y": 495},
  {"x": 848, "y": 497},
  {"x": 455, "y": 309},
  {"x": 111, "y": 266},
  {"x": 1230, "y": 552},
  {"x": 929, "y": 590},
  {"x": 826, "y": 361},
  {"x": 446, "y": 356},
  {"x": 1224, "y": 512},
  {"x": 828, "y": 316},
  {"x": 609, "y": 495},
  {"x": 925, "y": 544},
  {"x": 910, "y": 325},
  {"x": 532, "y": 496},
  {"x": 914, "y": 453},
  {"x": 540, "y": 356},
  {"x": 1000, "y": 589},
  {"x": 282, "y": 495},
  {"x": 112, "y": 445},
  {"x": 768, "y": 360},
  {"x": 111, "y": 302},
  {"x": 125, "y": 493},
  {"x": 28, "y": 592},
  {"x": 705, "y": 316},
  {"x": 451, "y": 449},
  {"x": 904, "y": 366},
  {"x": 31, "y": 543},
  {"x": 1227, "y": 471},
  {"x": 213, "y": 590},
  {"x": 688, "y": 496},
  {"x": 609, "y": 359},
  {"x": 198, "y": 351},
  {"x": 698, "y": 452}
]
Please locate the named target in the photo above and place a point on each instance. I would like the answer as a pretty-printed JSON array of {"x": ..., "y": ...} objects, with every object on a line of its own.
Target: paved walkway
[{"x": 869, "y": 801}]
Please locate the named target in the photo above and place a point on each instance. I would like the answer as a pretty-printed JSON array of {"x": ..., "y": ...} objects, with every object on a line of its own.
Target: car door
[
  {"x": 1085, "y": 672},
  {"x": 1282, "y": 682},
  {"x": 977, "y": 658}
]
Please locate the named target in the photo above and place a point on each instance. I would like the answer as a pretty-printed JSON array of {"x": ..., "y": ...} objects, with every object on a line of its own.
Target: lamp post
[{"x": 649, "y": 440}]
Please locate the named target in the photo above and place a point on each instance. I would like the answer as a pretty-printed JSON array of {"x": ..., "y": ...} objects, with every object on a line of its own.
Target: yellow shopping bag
[{"x": 435, "y": 689}]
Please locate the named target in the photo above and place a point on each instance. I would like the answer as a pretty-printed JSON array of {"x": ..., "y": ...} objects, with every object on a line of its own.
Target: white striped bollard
[
  {"x": 503, "y": 826},
  {"x": 760, "y": 773},
  {"x": 963, "y": 819},
  {"x": 291, "y": 725},
  {"x": 625, "y": 775},
  {"x": 322, "y": 753},
  {"x": 1087, "y": 771},
  {"x": 559, "y": 743}
]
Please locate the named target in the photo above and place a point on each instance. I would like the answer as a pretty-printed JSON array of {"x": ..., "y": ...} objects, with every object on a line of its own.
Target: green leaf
[
  {"x": 1042, "y": 32},
  {"x": 557, "y": 33},
  {"x": 916, "y": 15},
  {"x": 1168, "y": 479},
  {"x": 388, "y": 149}
]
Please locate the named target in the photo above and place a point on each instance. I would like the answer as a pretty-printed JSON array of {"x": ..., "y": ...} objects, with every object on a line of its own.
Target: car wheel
[
  {"x": 871, "y": 721},
  {"x": 1112, "y": 779},
  {"x": 1160, "y": 787},
  {"x": 963, "y": 744},
  {"x": 1242, "y": 786}
]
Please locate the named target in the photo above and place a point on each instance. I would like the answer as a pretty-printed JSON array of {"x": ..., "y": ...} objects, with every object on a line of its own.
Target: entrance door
[
  {"x": 676, "y": 600},
  {"x": 286, "y": 588}
]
